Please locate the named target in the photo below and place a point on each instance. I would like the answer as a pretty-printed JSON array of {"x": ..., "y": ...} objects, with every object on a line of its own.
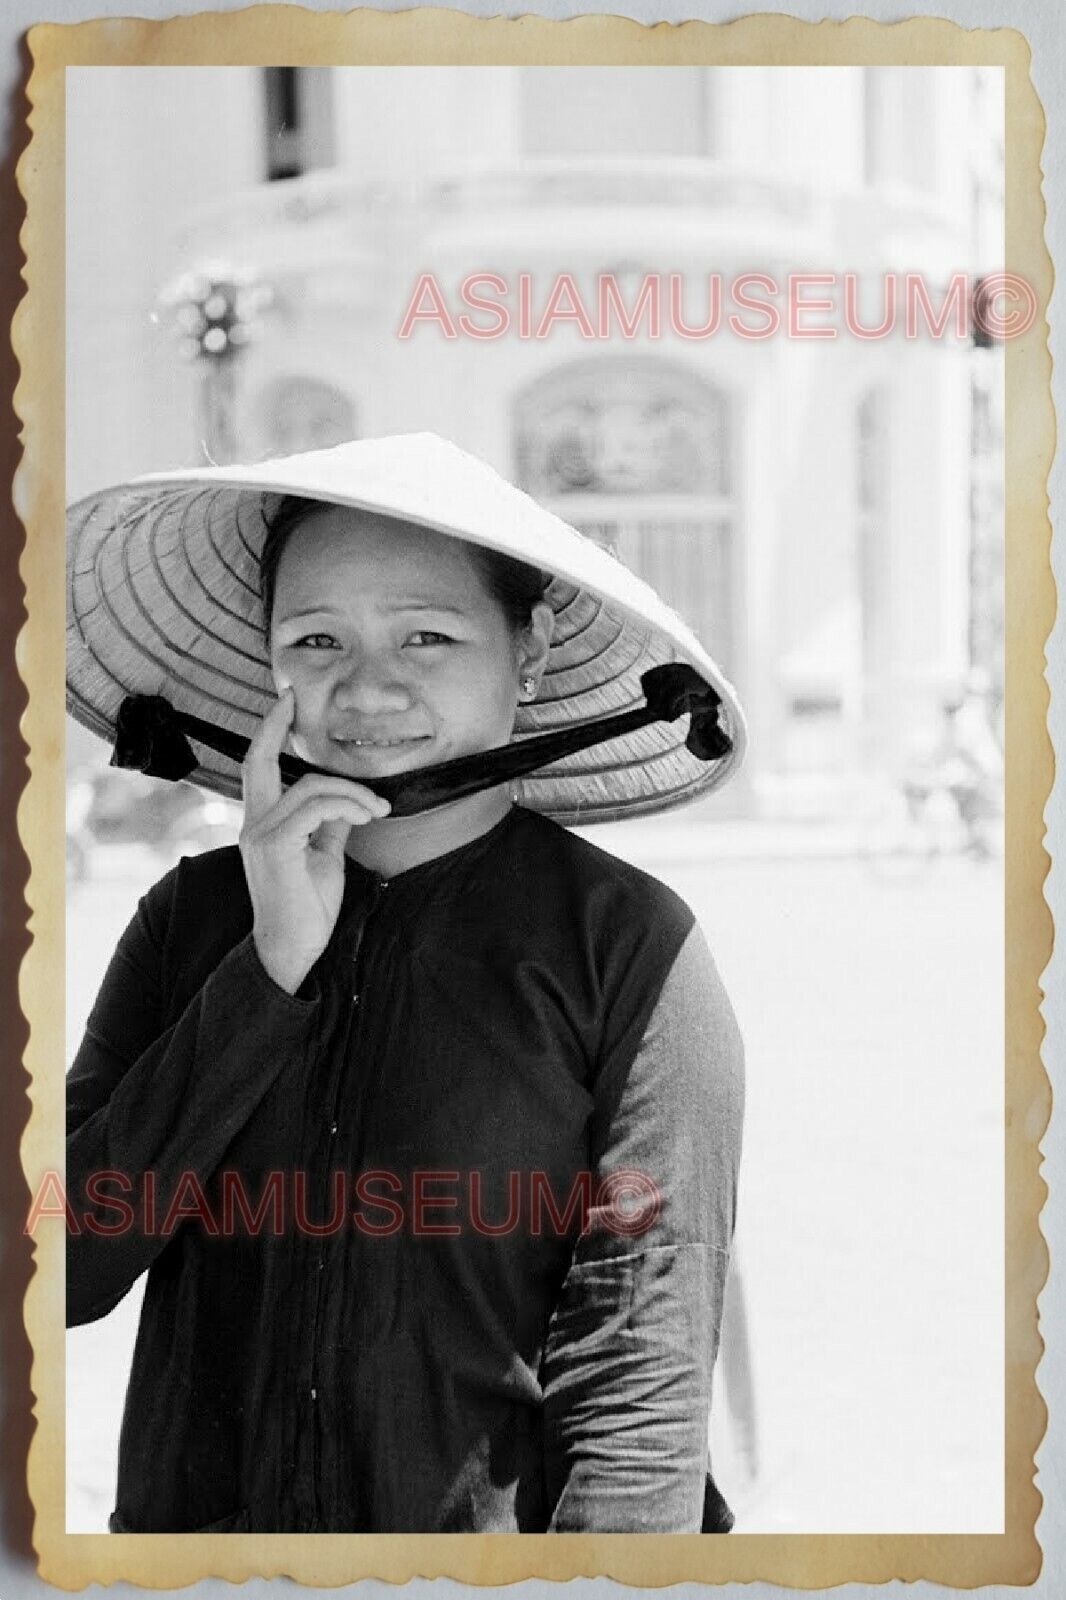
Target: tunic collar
[{"x": 439, "y": 875}]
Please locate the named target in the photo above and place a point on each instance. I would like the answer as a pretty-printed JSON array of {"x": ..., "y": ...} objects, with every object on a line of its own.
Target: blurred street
[{"x": 870, "y": 1235}]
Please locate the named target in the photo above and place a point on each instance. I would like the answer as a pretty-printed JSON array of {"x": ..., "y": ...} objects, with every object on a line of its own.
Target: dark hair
[{"x": 515, "y": 585}]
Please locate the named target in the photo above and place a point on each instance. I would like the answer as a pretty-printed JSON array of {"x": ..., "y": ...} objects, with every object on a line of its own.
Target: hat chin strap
[{"x": 152, "y": 737}]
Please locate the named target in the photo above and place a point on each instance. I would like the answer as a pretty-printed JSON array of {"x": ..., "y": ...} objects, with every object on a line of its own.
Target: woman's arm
[
  {"x": 143, "y": 1097},
  {"x": 633, "y": 1340}
]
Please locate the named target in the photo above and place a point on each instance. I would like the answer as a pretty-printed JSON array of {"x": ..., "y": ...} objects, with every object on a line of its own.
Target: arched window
[{"x": 637, "y": 453}]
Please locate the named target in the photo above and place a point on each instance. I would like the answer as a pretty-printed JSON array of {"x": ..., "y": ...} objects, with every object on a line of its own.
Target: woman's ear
[{"x": 535, "y": 639}]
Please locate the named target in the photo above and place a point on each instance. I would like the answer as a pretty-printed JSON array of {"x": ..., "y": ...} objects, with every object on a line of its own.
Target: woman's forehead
[{"x": 338, "y": 545}]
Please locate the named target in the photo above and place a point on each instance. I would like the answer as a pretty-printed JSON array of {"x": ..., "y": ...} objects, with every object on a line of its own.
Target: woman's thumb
[{"x": 331, "y": 837}]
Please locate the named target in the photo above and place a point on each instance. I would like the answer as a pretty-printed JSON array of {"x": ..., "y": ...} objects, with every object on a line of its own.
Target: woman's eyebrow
[
  {"x": 425, "y": 605},
  {"x": 308, "y": 611},
  {"x": 328, "y": 610}
]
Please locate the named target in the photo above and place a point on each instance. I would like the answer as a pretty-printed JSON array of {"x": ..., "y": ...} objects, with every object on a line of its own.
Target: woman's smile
[
  {"x": 381, "y": 744},
  {"x": 375, "y": 754}
]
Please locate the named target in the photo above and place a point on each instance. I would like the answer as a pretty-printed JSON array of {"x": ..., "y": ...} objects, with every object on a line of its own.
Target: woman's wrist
[{"x": 281, "y": 964}]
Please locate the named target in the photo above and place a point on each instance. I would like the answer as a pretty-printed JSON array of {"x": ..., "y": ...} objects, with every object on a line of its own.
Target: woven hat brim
[{"x": 163, "y": 598}]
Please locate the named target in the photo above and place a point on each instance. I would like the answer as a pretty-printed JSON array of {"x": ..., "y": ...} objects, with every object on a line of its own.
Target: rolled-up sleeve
[{"x": 633, "y": 1339}]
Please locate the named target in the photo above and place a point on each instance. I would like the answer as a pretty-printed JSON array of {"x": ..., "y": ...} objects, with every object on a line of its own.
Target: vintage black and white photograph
[{"x": 535, "y": 799}]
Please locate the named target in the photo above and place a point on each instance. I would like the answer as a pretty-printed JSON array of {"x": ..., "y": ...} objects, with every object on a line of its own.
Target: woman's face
[{"x": 398, "y": 654}]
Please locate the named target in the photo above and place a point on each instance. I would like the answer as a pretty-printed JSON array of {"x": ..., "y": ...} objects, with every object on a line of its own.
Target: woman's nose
[{"x": 369, "y": 685}]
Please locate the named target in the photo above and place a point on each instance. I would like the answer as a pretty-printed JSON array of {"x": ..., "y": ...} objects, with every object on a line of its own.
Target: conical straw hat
[{"x": 163, "y": 599}]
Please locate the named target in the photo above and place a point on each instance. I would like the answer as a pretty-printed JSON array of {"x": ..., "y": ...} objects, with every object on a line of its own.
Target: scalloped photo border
[{"x": 262, "y": 35}]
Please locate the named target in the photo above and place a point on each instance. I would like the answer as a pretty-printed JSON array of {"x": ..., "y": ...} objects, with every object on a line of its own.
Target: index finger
[{"x": 260, "y": 773}]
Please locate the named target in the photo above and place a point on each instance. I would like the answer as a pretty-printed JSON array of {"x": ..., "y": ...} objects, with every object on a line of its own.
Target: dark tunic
[{"x": 525, "y": 1014}]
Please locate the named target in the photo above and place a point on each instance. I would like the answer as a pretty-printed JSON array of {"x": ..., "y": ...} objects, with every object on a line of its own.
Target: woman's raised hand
[{"x": 292, "y": 846}]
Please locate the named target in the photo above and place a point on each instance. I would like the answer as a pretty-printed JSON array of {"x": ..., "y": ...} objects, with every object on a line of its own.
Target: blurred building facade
[{"x": 826, "y": 512}]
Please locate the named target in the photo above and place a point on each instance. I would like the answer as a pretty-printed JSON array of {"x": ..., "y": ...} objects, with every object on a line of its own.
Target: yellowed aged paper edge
[{"x": 271, "y": 34}]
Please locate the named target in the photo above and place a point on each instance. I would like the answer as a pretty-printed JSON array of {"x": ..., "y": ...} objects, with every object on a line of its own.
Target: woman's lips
[
  {"x": 365, "y": 757},
  {"x": 383, "y": 744}
]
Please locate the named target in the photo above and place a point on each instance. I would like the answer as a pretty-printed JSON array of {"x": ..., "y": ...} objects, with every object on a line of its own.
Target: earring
[{"x": 529, "y": 687}]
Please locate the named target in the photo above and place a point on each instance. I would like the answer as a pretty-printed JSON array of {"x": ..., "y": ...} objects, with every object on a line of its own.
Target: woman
[{"x": 424, "y": 1121}]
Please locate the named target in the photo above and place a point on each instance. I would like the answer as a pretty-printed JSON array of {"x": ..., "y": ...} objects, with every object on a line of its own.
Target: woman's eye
[
  {"x": 426, "y": 636},
  {"x": 315, "y": 641}
]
